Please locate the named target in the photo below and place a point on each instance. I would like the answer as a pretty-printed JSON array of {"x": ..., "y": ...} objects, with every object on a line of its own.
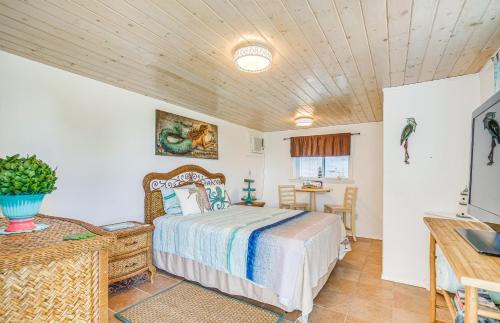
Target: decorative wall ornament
[
  {"x": 491, "y": 125},
  {"x": 185, "y": 137},
  {"x": 250, "y": 197},
  {"x": 410, "y": 127}
]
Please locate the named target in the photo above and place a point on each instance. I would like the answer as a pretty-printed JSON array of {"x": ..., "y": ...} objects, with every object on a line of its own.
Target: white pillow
[{"x": 189, "y": 200}]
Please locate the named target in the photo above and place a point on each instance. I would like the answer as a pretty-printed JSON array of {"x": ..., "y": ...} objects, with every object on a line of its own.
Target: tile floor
[{"x": 353, "y": 293}]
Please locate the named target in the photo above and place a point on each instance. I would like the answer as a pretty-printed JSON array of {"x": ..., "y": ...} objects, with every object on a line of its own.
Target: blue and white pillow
[
  {"x": 217, "y": 197},
  {"x": 171, "y": 203}
]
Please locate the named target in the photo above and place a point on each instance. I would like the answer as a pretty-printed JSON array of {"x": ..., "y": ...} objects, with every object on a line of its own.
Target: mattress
[{"x": 280, "y": 257}]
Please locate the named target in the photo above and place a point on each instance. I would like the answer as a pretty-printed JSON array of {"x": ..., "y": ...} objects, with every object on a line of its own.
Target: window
[{"x": 335, "y": 167}]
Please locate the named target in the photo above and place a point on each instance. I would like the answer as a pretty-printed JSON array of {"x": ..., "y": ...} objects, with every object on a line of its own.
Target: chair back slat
[
  {"x": 350, "y": 197},
  {"x": 286, "y": 194}
]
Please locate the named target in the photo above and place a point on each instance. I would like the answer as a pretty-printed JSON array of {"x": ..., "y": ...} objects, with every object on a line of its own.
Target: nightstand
[
  {"x": 131, "y": 253},
  {"x": 254, "y": 203}
]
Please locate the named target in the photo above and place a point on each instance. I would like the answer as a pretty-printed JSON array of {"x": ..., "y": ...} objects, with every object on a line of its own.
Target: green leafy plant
[{"x": 26, "y": 176}]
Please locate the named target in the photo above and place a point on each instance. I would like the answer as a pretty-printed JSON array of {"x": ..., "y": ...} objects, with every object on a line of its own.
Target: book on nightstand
[{"x": 119, "y": 226}]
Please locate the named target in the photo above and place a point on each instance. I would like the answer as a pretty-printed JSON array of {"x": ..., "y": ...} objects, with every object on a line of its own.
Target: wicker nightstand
[{"x": 131, "y": 254}]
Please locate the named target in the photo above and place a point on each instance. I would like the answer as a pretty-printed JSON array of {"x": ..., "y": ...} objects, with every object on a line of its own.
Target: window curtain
[
  {"x": 321, "y": 146},
  {"x": 496, "y": 70}
]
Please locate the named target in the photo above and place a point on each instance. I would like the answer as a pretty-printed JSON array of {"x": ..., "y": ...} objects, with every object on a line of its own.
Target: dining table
[{"x": 312, "y": 194}]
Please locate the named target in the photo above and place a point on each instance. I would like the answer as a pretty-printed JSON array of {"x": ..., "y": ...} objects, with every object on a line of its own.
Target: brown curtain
[{"x": 321, "y": 146}]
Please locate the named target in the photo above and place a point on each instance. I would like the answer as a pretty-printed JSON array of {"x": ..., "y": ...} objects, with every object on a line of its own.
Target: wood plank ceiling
[{"x": 331, "y": 57}]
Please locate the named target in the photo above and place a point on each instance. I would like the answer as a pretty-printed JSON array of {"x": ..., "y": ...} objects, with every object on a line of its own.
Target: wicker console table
[{"x": 46, "y": 279}]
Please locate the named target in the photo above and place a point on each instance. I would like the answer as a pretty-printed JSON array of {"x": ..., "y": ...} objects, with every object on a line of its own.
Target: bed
[{"x": 275, "y": 256}]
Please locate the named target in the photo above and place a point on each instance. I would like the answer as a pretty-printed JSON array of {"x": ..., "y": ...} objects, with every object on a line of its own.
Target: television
[{"x": 484, "y": 180}]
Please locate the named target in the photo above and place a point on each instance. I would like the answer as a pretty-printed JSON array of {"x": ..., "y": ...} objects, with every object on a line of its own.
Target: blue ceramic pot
[{"x": 20, "y": 207}]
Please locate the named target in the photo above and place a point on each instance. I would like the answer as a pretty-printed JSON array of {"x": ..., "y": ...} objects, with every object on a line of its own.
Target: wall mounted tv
[
  {"x": 484, "y": 194},
  {"x": 484, "y": 197}
]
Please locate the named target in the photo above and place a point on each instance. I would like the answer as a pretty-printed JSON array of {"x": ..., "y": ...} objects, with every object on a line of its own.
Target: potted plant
[{"x": 23, "y": 185}]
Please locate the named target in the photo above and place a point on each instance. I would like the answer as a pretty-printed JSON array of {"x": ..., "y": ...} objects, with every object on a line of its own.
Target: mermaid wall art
[{"x": 185, "y": 137}]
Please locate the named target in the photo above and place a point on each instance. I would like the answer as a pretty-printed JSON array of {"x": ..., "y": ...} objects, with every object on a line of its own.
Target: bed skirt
[{"x": 233, "y": 285}]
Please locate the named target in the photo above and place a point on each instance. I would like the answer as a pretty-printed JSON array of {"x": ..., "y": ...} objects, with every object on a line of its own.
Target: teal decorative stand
[{"x": 249, "y": 189}]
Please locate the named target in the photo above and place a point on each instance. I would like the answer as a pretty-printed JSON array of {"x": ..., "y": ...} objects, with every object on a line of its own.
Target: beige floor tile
[
  {"x": 404, "y": 316},
  {"x": 160, "y": 283},
  {"x": 371, "y": 259},
  {"x": 417, "y": 304},
  {"x": 350, "y": 265},
  {"x": 411, "y": 290},
  {"x": 338, "y": 302},
  {"x": 126, "y": 298},
  {"x": 375, "y": 282},
  {"x": 369, "y": 311},
  {"x": 443, "y": 315},
  {"x": 350, "y": 319},
  {"x": 341, "y": 285},
  {"x": 323, "y": 315},
  {"x": 357, "y": 254},
  {"x": 382, "y": 296},
  {"x": 111, "y": 317},
  {"x": 346, "y": 273},
  {"x": 375, "y": 274},
  {"x": 371, "y": 267}
]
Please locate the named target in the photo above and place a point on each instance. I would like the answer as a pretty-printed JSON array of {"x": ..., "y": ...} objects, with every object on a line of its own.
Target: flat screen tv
[{"x": 484, "y": 181}]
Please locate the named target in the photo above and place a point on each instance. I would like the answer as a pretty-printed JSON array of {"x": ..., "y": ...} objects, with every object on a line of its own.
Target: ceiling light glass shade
[
  {"x": 303, "y": 121},
  {"x": 253, "y": 58}
]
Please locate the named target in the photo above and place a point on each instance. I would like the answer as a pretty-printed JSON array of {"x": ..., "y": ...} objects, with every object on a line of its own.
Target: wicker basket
[{"x": 46, "y": 279}]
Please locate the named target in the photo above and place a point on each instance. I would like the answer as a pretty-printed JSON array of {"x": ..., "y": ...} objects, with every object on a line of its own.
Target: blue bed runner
[{"x": 253, "y": 241}]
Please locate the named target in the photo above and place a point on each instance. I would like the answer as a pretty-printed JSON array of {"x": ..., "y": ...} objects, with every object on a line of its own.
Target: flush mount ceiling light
[
  {"x": 303, "y": 121},
  {"x": 253, "y": 58}
]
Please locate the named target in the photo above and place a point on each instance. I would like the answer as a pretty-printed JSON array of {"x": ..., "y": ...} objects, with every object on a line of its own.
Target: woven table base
[{"x": 187, "y": 302}]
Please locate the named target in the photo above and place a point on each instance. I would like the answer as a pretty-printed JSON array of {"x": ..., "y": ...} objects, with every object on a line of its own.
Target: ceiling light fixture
[
  {"x": 253, "y": 58},
  {"x": 303, "y": 121}
]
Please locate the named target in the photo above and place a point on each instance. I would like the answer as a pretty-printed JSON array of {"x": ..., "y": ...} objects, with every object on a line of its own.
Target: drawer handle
[
  {"x": 131, "y": 243},
  {"x": 131, "y": 265}
]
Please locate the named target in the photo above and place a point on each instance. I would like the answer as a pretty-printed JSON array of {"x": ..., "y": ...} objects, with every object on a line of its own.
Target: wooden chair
[
  {"x": 287, "y": 198},
  {"x": 349, "y": 206}
]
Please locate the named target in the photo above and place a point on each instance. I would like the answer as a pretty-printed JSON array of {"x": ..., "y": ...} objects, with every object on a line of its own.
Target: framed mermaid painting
[{"x": 185, "y": 137}]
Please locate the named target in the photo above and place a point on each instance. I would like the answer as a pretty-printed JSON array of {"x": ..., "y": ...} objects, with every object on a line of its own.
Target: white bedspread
[{"x": 300, "y": 249}]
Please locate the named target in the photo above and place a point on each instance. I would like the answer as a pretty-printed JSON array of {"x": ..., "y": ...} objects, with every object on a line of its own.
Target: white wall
[
  {"x": 438, "y": 168},
  {"x": 487, "y": 81},
  {"x": 101, "y": 138},
  {"x": 366, "y": 155}
]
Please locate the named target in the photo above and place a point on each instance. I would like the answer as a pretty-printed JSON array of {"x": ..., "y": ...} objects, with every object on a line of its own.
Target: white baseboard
[{"x": 405, "y": 281}]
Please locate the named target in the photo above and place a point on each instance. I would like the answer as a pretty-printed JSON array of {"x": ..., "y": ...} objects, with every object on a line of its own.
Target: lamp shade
[
  {"x": 303, "y": 121},
  {"x": 253, "y": 58}
]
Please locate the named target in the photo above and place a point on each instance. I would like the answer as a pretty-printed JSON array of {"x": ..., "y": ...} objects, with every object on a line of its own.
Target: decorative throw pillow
[
  {"x": 218, "y": 197},
  {"x": 171, "y": 203},
  {"x": 190, "y": 200},
  {"x": 205, "y": 204}
]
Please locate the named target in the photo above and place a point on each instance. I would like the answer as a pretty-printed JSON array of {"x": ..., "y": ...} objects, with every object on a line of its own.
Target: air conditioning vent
[{"x": 256, "y": 145}]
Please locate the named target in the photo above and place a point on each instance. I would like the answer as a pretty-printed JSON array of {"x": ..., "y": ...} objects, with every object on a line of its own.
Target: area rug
[{"x": 187, "y": 302}]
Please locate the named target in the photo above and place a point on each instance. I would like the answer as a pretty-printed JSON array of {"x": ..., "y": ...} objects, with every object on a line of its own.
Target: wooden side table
[
  {"x": 132, "y": 253},
  {"x": 312, "y": 195},
  {"x": 254, "y": 203},
  {"x": 474, "y": 270}
]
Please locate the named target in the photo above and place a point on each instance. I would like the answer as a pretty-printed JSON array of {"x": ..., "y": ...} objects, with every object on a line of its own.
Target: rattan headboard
[{"x": 184, "y": 175}]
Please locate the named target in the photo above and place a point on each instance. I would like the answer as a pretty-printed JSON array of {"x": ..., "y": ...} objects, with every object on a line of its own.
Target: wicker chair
[
  {"x": 349, "y": 206},
  {"x": 287, "y": 198}
]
